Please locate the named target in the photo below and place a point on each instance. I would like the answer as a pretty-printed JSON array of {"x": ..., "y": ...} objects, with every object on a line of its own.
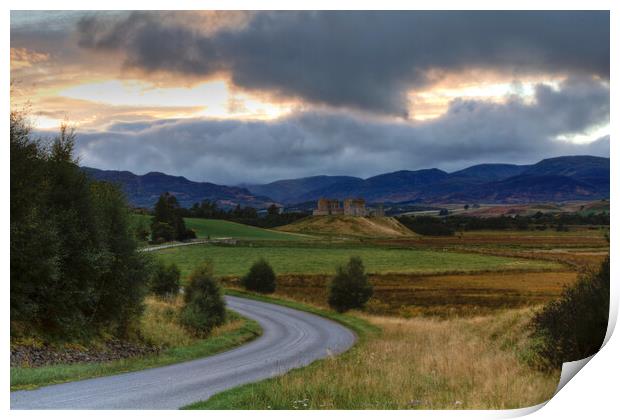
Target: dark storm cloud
[
  {"x": 313, "y": 143},
  {"x": 365, "y": 60}
]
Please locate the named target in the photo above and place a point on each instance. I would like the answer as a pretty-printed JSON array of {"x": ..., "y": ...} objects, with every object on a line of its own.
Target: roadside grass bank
[
  {"x": 157, "y": 327},
  {"x": 418, "y": 363},
  {"x": 236, "y": 260}
]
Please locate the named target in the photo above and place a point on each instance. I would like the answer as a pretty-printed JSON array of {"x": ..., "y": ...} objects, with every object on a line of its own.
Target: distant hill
[
  {"x": 556, "y": 179},
  {"x": 292, "y": 190},
  {"x": 589, "y": 169},
  {"x": 489, "y": 172},
  {"x": 376, "y": 227},
  {"x": 144, "y": 190}
]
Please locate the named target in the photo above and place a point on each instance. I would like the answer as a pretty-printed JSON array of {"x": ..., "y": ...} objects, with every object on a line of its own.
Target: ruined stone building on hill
[{"x": 350, "y": 207}]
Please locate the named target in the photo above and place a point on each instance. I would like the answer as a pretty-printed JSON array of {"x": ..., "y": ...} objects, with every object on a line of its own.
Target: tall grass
[
  {"x": 420, "y": 363},
  {"x": 160, "y": 323},
  {"x": 158, "y": 326}
]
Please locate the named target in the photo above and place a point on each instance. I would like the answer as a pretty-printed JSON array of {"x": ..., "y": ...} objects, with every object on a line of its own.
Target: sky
[{"x": 252, "y": 97}]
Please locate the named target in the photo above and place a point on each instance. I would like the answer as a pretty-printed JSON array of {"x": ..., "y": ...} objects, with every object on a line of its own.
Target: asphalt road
[{"x": 290, "y": 339}]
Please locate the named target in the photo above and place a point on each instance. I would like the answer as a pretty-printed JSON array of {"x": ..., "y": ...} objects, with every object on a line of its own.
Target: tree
[
  {"x": 350, "y": 288},
  {"x": 260, "y": 278},
  {"x": 574, "y": 326},
  {"x": 204, "y": 305},
  {"x": 165, "y": 280},
  {"x": 75, "y": 270},
  {"x": 168, "y": 212},
  {"x": 141, "y": 232},
  {"x": 162, "y": 232}
]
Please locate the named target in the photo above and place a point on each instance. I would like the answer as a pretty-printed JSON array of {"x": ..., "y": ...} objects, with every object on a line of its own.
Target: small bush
[
  {"x": 574, "y": 326},
  {"x": 350, "y": 288},
  {"x": 204, "y": 305},
  {"x": 260, "y": 278},
  {"x": 165, "y": 280}
]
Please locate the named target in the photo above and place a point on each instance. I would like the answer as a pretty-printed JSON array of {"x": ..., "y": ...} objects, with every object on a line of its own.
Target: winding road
[{"x": 290, "y": 339}]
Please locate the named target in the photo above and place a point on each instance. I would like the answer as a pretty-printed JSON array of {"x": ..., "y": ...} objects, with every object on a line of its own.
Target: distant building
[
  {"x": 326, "y": 207},
  {"x": 378, "y": 211},
  {"x": 355, "y": 207},
  {"x": 352, "y": 207}
]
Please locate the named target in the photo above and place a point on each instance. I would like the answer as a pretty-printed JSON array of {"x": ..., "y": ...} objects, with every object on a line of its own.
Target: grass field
[
  {"x": 159, "y": 328},
  {"x": 420, "y": 363},
  {"x": 236, "y": 260},
  {"x": 224, "y": 228}
]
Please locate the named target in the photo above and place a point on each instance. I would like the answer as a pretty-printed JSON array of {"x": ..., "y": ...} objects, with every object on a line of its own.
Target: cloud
[
  {"x": 339, "y": 143},
  {"x": 362, "y": 60}
]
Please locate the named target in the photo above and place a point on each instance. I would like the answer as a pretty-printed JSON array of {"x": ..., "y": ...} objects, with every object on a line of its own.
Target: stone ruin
[{"x": 350, "y": 207}]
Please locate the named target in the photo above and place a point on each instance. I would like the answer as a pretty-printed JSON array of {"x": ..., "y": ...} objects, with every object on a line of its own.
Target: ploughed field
[{"x": 299, "y": 259}]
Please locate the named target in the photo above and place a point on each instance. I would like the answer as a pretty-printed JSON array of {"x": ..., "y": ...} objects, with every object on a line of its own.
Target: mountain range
[
  {"x": 555, "y": 179},
  {"x": 144, "y": 190}
]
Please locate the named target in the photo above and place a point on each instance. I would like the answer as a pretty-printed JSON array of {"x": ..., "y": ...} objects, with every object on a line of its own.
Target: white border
[{"x": 593, "y": 393}]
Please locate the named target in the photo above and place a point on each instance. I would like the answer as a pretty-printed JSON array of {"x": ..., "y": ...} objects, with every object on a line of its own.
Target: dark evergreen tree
[
  {"x": 165, "y": 280},
  {"x": 261, "y": 278},
  {"x": 350, "y": 288},
  {"x": 168, "y": 212},
  {"x": 204, "y": 305},
  {"x": 75, "y": 270}
]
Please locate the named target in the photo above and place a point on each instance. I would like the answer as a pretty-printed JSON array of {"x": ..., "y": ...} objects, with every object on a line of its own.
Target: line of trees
[
  {"x": 75, "y": 269},
  {"x": 448, "y": 226},
  {"x": 246, "y": 215}
]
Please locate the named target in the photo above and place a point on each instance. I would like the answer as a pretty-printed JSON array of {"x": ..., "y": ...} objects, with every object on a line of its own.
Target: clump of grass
[
  {"x": 160, "y": 326},
  {"x": 420, "y": 363}
]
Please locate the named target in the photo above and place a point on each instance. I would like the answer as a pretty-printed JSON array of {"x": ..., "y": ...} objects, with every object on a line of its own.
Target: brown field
[
  {"x": 578, "y": 259},
  {"x": 444, "y": 296},
  {"x": 449, "y": 295},
  {"x": 576, "y": 238}
]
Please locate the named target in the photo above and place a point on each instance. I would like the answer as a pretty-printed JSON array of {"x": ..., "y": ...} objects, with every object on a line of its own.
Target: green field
[
  {"x": 236, "y": 260},
  {"x": 223, "y": 228}
]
